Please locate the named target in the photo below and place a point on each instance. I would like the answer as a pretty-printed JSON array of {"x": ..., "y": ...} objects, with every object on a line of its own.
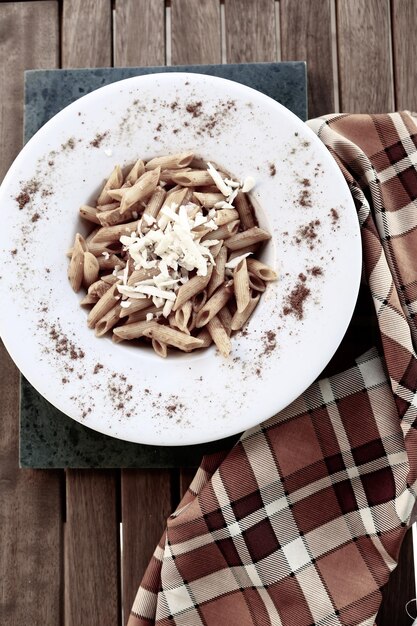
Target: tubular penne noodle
[
  {"x": 240, "y": 319},
  {"x": 76, "y": 265},
  {"x": 89, "y": 213},
  {"x": 173, "y": 337},
  {"x": 141, "y": 190},
  {"x": 261, "y": 270},
  {"x": 247, "y": 249},
  {"x": 225, "y": 317},
  {"x": 110, "y": 279},
  {"x": 143, "y": 274},
  {"x": 256, "y": 283},
  {"x": 155, "y": 202},
  {"x": 247, "y": 238},
  {"x": 88, "y": 299},
  {"x": 109, "y": 234},
  {"x": 91, "y": 269},
  {"x": 160, "y": 348},
  {"x": 171, "y": 162},
  {"x": 136, "y": 172},
  {"x": 217, "y": 276},
  {"x": 108, "y": 207},
  {"x": 213, "y": 306},
  {"x": 114, "y": 181},
  {"x": 113, "y": 217},
  {"x": 224, "y": 232},
  {"x": 111, "y": 263},
  {"x": 219, "y": 336},
  {"x": 172, "y": 201},
  {"x": 199, "y": 300},
  {"x": 191, "y": 288},
  {"x": 208, "y": 200},
  {"x": 225, "y": 216},
  {"x": 245, "y": 211},
  {"x": 140, "y": 316},
  {"x": 136, "y": 305},
  {"x": 134, "y": 330},
  {"x": 205, "y": 337},
  {"x": 192, "y": 178},
  {"x": 241, "y": 286},
  {"x": 106, "y": 302},
  {"x": 98, "y": 289},
  {"x": 166, "y": 175},
  {"x": 107, "y": 322},
  {"x": 182, "y": 316}
]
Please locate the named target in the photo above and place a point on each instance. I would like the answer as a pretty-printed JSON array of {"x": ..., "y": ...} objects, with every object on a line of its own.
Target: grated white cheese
[
  {"x": 106, "y": 255},
  {"x": 235, "y": 262},
  {"x": 248, "y": 184},
  {"x": 125, "y": 304},
  {"x": 218, "y": 180},
  {"x": 149, "y": 317},
  {"x": 108, "y": 152}
]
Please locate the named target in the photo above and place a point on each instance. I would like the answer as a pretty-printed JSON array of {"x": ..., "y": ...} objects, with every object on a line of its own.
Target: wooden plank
[
  {"x": 399, "y": 590},
  {"x": 404, "y": 27},
  {"x": 86, "y": 33},
  {"x": 186, "y": 476},
  {"x": 250, "y": 31},
  {"x": 195, "y": 28},
  {"x": 146, "y": 504},
  {"x": 365, "y": 60},
  {"x": 30, "y": 510},
  {"x": 91, "y": 549},
  {"x": 306, "y": 36},
  {"x": 92, "y": 538},
  {"x": 139, "y": 32}
]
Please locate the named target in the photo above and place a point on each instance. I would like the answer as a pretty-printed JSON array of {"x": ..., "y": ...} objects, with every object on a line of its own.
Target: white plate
[{"x": 190, "y": 398}]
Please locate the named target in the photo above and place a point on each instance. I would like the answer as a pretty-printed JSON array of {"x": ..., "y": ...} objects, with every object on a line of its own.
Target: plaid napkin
[{"x": 301, "y": 523}]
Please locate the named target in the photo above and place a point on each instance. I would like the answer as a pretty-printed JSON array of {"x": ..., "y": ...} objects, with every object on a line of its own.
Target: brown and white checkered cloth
[{"x": 300, "y": 524}]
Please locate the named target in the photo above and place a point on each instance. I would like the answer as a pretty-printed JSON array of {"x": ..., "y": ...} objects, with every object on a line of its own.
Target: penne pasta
[
  {"x": 217, "y": 276},
  {"x": 134, "y": 330},
  {"x": 191, "y": 288},
  {"x": 114, "y": 181},
  {"x": 247, "y": 238},
  {"x": 245, "y": 211},
  {"x": 164, "y": 242},
  {"x": 160, "y": 348},
  {"x": 141, "y": 190},
  {"x": 76, "y": 265},
  {"x": 225, "y": 317},
  {"x": 109, "y": 234},
  {"x": 107, "y": 322},
  {"x": 136, "y": 172},
  {"x": 262, "y": 271},
  {"x": 89, "y": 213},
  {"x": 173, "y": 337},
  {"x": 192, "y": 178},
  {"x": 91, "y": 269},
  {"x": 208, "y": 200},
  {"x": 240, "y": 319},
  {"x": 106, "y": 302},
  {"x": 256, "y": 283},
  {"x": 219, "y": 336},
  {"x": 241, "y": 286},
  {"x": 171, "y": 162},
  {"x": 213, "y": 306}
]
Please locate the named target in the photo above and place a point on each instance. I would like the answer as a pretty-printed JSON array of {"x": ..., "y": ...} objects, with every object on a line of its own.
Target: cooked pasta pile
[{"x": 170, "y": 260}]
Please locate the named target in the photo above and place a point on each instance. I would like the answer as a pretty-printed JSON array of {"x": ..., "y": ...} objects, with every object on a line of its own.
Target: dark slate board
[{"x": 48, "y": 438}]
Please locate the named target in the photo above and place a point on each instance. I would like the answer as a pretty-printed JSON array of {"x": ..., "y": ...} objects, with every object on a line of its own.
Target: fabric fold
[{"x": 301, "y": 523}]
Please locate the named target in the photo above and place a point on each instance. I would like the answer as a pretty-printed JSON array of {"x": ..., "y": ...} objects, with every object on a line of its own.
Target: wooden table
[{"x": 74, "y": 544}]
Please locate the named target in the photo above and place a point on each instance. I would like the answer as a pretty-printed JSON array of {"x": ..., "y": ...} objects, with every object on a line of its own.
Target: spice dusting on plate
[
  {"x": 334, "y": 215},
  {"x": 272, "y": 169},
  {"x": 307, "y": 233},
  {"x": 296, "y": 299},
  {"x": 69, "y": 145},
  {"x": 96, "y": 142},
  {"x": 194, "y": 108},
  {"x": 315, "y": 271},
  {"x": 269, "y": 341}
]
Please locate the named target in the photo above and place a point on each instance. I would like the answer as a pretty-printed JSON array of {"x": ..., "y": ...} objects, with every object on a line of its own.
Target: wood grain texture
[
  {"x": 186, "y": 476},
  {"x": 30, "y": 501},
  {"x": 195, "y": 40},
  {"x": 365, "y": 60},
  {"x": 250, "y": 31},
  {"x": 404, "y": 27},
  {"x": 146, "y": 504},
  {"x": 91, "y": 549},
  {"x": 139, "y": 32},
  {"x": 399, "y": 590},
  {"x": 306, "y": 36},
  {"x": 86, "y": 33}
]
